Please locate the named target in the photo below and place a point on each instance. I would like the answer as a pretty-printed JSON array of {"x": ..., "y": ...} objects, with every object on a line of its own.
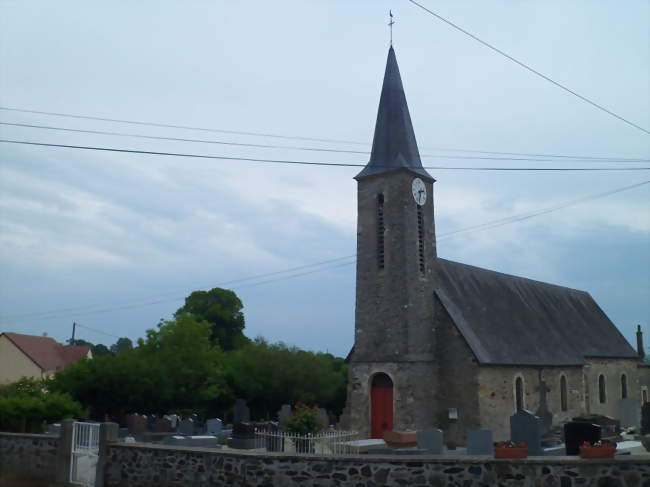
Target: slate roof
[
  {"x": 510, "y": 320},
  {"x": 394, "y": 145},
  {"x": 46, "y": 352}
]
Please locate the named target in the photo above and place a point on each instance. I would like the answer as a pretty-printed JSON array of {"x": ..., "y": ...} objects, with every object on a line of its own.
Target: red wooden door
[{"x": 381, "y": 405}]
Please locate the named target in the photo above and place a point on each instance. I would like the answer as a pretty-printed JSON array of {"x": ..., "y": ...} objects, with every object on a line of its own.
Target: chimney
[
  {"x": 639, "y": 342},
  {"x": 45, "y": 334}
]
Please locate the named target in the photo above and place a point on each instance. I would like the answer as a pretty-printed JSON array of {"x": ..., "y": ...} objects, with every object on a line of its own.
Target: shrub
[{"x": 305, "y": 421}]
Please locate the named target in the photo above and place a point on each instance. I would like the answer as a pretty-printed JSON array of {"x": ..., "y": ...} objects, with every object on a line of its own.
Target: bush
[
  {"x": 26, "y": 404},
  {"x": 305, "y": 421}
]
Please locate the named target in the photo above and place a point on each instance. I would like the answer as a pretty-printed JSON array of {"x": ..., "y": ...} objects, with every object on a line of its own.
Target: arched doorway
[{"x": 381, "y": 405}]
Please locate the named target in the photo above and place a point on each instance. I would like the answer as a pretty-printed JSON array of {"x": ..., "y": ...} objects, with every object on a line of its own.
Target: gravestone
[
  {"x": 136, "y": 423},
  {"x": 241, "y": 414},
  {"x": 323, "y": 417},
  {"x": 151, "y": 422},
  {"x": 645, "y": 419},
  {"x": 285, "y": 414},
  {"x": 53, "y": 429},
  {"x": 629, "y": 413},
  {"x": 186, "y": 427},
  {"x": 610, "y": 426},
  {"x": 577, "y": 432},
  {"x": 430, "y": 440},
  {"x": 524, "y": 426},
  {"x": 163, "y": 425},
  {"x": 480, "y": 442},
  {"x": 173, "y": 419},
  {"x": 243, "y": 436},
  {"x": 214, "y": 426}
]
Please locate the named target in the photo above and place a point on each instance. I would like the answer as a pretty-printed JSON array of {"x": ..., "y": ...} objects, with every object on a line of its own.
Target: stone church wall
[
  {"x": 458, "y": 380},
  {"x": 611, "y": 370},
  {"x": 496, "y": 394}
]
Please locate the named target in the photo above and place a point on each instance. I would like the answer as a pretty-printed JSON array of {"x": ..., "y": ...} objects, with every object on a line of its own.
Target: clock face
[{"x": 419, "y": 191}]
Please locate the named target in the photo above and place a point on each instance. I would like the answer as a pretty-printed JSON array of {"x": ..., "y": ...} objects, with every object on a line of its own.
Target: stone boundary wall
[
  {"x": 28, "y": 458},
  {"x": 133, "y": 465}
]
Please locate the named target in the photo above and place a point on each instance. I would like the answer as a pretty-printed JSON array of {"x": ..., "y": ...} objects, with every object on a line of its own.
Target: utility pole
[{"x": 74, "y": 326}]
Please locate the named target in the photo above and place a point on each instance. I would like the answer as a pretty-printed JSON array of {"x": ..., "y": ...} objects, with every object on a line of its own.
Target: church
[{"x": 447, "y": 345}]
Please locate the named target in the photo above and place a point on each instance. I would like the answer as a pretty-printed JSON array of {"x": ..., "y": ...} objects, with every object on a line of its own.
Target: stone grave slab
[
  {"x": 525, "y": 426},
  {"x": 480, "y": 442},
  {"x": 241, "y": 413},
  {"x": 285, "y": 414},
  {"x": 629, "y": 413},
  {"x": 186, "y": 427},
  {"x": 214, "y": 426},
  {"x": 430, "y": 440},
  {"x": 163, "y": 425},
  {"x": 576, "y": 432}
]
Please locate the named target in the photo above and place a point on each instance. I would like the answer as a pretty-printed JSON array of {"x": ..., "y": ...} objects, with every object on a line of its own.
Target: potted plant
[
  {"x": 508, "y": 449},
  {"x": 600, "y": 449}
]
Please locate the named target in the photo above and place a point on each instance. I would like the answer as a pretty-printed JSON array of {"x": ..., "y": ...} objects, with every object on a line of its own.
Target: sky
[{"x": 115, "y": 241}]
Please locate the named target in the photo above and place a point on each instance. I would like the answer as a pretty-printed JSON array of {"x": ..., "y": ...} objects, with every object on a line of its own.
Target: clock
[{"x": 419, "y": 191}]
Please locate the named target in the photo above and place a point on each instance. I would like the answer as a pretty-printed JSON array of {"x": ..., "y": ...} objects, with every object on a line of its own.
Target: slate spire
[{"x": 394, "y": 146}]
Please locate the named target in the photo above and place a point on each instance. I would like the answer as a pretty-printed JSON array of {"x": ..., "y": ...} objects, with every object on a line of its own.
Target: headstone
[
  {"x": 323, "y": 417},
  {"x": 53, "y": 429},
  {"x": 577, "y": 432},
  {"x": 163, "y": 425},
  {"x": 645, "y": 419},
  {"x": 123, "y": 432},
  {"x": 285, "y": 414},
  {"x": 629, "y": 413},
  {"x": 524, "y": 426},
  {"x": 136, "y": 423},
  {"x": 214, "y": 426},
  {"x": 151, "y": 422},
  {"x": 610, "y": 426},
  {"x": 241, "y": 413},
  {"x": 243, "y": 436},
  {"x": 173, "y": 419},
  {"x": 186, "y": 427},
  {"x": 129, "y": 439},
  {"x": 431, "y": 441},
  {"x": 480, "y": 442}
]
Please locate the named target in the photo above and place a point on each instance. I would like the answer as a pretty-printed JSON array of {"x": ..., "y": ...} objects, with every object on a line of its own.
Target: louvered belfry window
[
  {"x": 380, "y": 231},
  {"x": 421, "y": 240}
]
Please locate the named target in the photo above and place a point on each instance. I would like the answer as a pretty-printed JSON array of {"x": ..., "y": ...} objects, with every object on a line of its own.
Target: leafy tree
[
  {"x": 269, "y": 375},
  {"x": 121, "y": 345},
  {"x": 25, "y": 404},
  {"x": 223, "y": 310},
  {"x": 79, "y": 342},
  {"x": 304, "y": 421},
  {"x": 175, "y": 367},
  {"x": 100, "y": 349}
]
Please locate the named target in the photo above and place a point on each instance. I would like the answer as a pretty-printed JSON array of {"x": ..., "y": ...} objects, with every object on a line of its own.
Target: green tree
[
  {"x": 121, "y": 345},
  {"x": 269, "y": 375},
  {"x": 100, "y": 349},
  {"x": 175, "y": 367},
  {"x": 223, "y": 310}
]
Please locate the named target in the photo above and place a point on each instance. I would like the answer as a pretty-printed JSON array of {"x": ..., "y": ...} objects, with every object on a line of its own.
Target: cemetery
[{"x": 170, "y": 450}]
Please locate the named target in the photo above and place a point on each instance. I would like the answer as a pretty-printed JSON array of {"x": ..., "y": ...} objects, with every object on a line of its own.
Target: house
[
  {"x": 443, "y": 344},
  {"x": 39, "y": 357}
]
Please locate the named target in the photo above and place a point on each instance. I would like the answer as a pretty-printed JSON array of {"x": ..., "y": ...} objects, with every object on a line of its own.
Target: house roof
[
  {"x": 510, "y": 320},
  {"x": 46, "y": 352},
  {"x": 394, "y": 145}
]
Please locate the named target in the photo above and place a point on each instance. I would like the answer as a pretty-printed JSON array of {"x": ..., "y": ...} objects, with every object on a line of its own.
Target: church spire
[{"x": 394, "y": 146}]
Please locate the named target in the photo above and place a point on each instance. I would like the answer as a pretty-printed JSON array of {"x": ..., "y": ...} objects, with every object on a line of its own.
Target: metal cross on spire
[{"x": 390, "y": 24}]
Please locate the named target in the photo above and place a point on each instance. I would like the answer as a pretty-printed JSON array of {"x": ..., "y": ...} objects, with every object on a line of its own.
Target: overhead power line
[
  {"x": 314, "y": 149},
  {"x": 309, "y": 163},
  {"x": 534, "y": 71},
  {"x": 291, "y": 137},
  {"x": 319, "y": 266},
  {"x": 97, "y": 331}
]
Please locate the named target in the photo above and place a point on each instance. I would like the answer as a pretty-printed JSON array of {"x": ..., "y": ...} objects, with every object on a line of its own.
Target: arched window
[
  {"x": 623, "y": 386},
  {"x": 380, "y": 231},
  {"x": 563, "y": 394},
  {"x": 519, "y": 393},
  {"x": 602, "y": 396}
]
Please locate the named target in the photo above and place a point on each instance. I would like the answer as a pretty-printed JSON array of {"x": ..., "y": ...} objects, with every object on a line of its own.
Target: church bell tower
[{"x": 392, "y": 373}]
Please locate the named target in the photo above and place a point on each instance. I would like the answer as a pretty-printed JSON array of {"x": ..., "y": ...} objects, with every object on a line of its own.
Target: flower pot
[
  {"x": 504, "y": 452},
  {"x": 597, "y": 451}
]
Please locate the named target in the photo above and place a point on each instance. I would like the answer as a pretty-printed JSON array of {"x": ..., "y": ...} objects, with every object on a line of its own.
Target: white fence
[
  {"x": 85, "y": 452},
  {"x": 331, "y": 442}
]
